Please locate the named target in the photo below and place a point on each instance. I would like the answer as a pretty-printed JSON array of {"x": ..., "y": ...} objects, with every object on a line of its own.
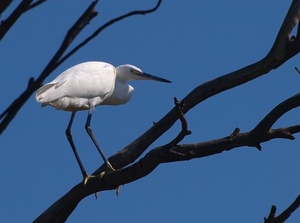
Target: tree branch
[
  {"x": 276, "y": 113},
  {"x": 61, "y": 209},
  {"x": 283, "y": 49},
  {"x": 285, "y": 214},
  {"x": 15, "y": 15},
  {"x": 106, "y": 25},
  {"x": 4, "y": 4},
  {"x": 184, "y": 126},
  {"x": 280, "y": 52},
  {"x": 35, "y": 4}
]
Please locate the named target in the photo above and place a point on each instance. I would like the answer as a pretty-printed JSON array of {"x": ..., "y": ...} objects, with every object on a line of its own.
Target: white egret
[{"x": 86, "y": 85}]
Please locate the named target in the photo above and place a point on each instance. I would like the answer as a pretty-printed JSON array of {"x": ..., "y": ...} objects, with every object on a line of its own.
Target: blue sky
[{"x": 187, "y": 42}]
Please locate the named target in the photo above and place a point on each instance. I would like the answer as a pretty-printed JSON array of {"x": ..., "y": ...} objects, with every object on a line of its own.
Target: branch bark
[
  {"x": 15, "y": 15},
  {"x": 61, "y": 209},
  {"x": 285, "y": 214},
  {"x": 283, "y": 49}
]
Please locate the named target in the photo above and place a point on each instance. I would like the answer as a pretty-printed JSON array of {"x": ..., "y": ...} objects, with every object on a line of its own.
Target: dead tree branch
[
  {"x": 283, "y": 49},
  {"x": 35, "y": 4},
  {"x": 61, "y": 209},
  {"x": 15, "y": 15},
  {"x": 4, "y": 4},
  {"x": 184, "y": 126},
  {"x": 285, "y": 214}
]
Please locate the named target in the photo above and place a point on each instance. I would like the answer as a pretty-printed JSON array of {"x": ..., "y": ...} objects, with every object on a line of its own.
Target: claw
[
  {"x": 118, "y": 190},
  {"x": 110, "y": 169}
]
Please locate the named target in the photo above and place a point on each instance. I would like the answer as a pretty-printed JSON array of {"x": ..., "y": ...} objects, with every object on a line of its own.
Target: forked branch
[
  {"x": 184, "y": 126},
  {"x": 62, "y": 208},
  {"x": 283, "y": 48},
  {"x": 285, "y": 214},
  {"x": 15, "y": 15}
]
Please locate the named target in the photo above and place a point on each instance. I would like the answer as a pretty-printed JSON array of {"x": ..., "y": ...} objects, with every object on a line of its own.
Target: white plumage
[{"x": 86, "y": 85}]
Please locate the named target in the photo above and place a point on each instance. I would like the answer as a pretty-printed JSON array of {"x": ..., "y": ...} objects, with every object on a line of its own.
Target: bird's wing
[{"x": 86, "y": 80}]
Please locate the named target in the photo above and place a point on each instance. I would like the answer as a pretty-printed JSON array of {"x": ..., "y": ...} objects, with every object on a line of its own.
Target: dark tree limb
[
  {"x": 283, "y": 49},
  {"x": 15, "y": 15},
  {"x": 8, "y": 115},
  {"x": 35, "y": 4},
  {"x": 61, "y": 209},
  {"x": 184, "y": 126},
  {"x": 23, "y": 7},
  {"x": 276, "y": 113},
  {"x": 284, "y": 215},
  {"x": 4, "y": 4}
]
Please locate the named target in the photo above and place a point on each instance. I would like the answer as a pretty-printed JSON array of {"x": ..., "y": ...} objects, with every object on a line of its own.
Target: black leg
[
  {"x": 70, "y": 139},
  {"x": 90, "y": 133}
]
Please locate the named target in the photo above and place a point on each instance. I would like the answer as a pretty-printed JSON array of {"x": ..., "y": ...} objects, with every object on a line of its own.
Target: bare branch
[
  {"x": 279, "y": 53},
  {"x": 10, "y": 21},
  {"x": 103, "y": 27},
  {"x": 184, "y": 126},
  {"x": 276, "y": 113},
  {"x": 35, "y": 4},
  {"x": 285, "y": 214},
  {"x": 171, "y": 153},
  {"x": 4, "y": 4},
  {"x": 61, "y": 209}
]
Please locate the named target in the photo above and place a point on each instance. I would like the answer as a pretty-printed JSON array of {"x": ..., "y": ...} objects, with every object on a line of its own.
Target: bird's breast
[{"x": 121, "y": 94}]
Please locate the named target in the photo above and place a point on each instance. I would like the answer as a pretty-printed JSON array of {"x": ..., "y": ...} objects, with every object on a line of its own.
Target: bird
[{"x": 87, "y": 85}]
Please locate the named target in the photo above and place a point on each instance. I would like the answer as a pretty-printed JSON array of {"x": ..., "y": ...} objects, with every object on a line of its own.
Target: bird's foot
[
  {"x": 108, "y": 170},
  {"x": 86, "y": 178}
]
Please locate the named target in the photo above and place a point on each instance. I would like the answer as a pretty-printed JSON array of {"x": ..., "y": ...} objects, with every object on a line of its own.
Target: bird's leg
[
  {"x": 70, "y": 139},
  {"x": 90, "y": 133}
]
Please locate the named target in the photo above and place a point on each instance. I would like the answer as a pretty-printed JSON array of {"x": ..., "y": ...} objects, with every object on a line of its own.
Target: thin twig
[
  {"x": 103, "y": 27},
  {"x": 184, "y": 126},
  {"x": 15, "y": 15},
  {"x": 35, "y": 4},
  {"x": 285, "y": 214},
  {"x": 64, "y": 206},
  {"x": 276, "y": 113}
]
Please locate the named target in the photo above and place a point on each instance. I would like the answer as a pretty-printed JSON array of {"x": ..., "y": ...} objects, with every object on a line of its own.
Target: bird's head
[{"x": 129, "y": 72}]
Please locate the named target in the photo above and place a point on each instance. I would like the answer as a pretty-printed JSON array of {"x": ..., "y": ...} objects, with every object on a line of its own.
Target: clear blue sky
[{"x": 188, "y": 42}]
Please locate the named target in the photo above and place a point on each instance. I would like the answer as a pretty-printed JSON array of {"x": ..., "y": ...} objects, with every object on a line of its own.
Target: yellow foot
[
  {"x": 86, "y": 178},
  {"x": 108, "y": 170}
]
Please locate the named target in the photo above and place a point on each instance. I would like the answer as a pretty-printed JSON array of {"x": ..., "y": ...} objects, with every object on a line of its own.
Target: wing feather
[{"x": 84, "y": 81}]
